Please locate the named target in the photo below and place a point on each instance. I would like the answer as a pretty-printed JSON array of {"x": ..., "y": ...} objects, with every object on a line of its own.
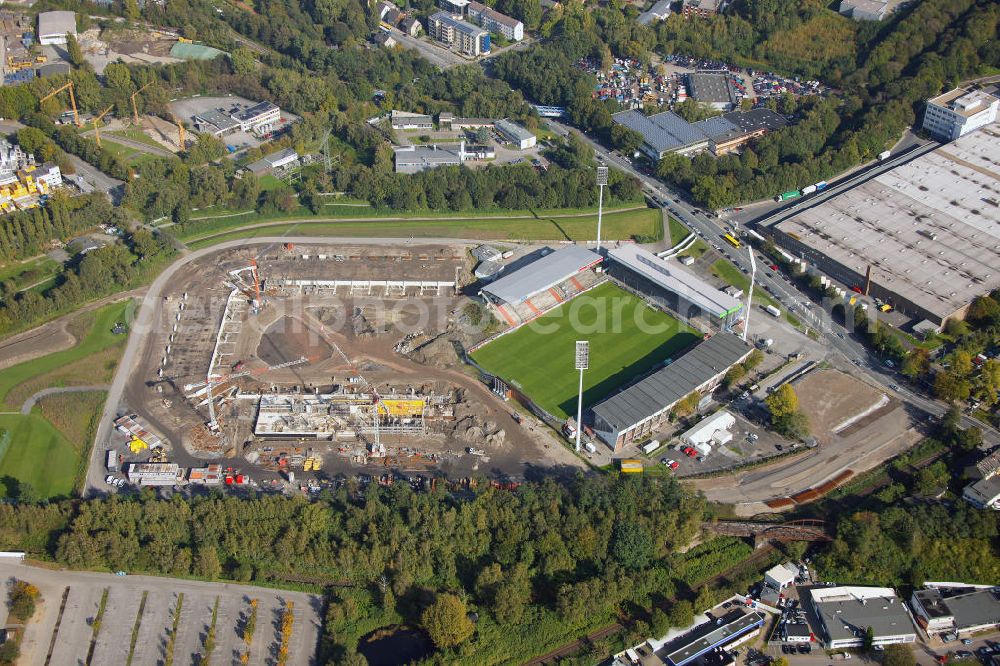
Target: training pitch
[{"x": 627, "y": 338}]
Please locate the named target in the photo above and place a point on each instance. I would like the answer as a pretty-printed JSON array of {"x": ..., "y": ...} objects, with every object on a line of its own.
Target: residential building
[
  {"x": 411, "y": 26},
  {"x": 953, "y": 607},
  {"x": 958, "y": 112},
  {"x": 703, "y": 8},
  {"x": 388, "y": 13},
  {"x": 984, "y": 494},
  {"x": 864, "y": 10},
  {"x": 404, "y": 120},
  {"x": 49, "y": 174},
  {"x": 847, "y": 612},
  {"x": 494, "y": 21},
  {"x": 54, "y": 26},
  {"x": 658, "y": 12},
  {"x": 456, "y": 7},
  {"x": 258, "y": 118},
  {"x": 515, "y": 134},
  {"x": 463, "y": 37}
]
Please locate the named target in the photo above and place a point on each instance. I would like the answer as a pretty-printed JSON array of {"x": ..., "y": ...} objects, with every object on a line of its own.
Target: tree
[
  {"x": 735, "y": 374},
  {"x": 898, "y": 655},
  {"x": 131, "y": 9},
  {"x": 73, "y": 51},
  {"x": 483, "y": 136},
  {"x": 755, "y": 358},
  {"x": 625, "y": 139},
  {"x": 631, "y": 544},
  {"x": 950, "y": 386},
  {"x": 782, "y": 402},
  {"x": 446, "y": 621},
  {"x": 21, "y": 600},
  {"x": 207, "y": 565},
  {"x": 869, "y": 639},
  {"x": 243, "y": 61},
  {"x": 681, "y": 614}
]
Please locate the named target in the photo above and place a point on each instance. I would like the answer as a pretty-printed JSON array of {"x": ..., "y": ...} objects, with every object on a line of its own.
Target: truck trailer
[
  {"x": 785, "y": 196},
  {"x": 773, "y": 311}
]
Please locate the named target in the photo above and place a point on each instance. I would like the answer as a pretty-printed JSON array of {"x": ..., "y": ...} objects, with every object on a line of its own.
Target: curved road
[{"x": 29, "y": 404}]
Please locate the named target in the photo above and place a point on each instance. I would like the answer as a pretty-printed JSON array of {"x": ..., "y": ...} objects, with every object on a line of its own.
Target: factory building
[
  {"x": 286, "y": 158},
  {"x": 922, "y": 236},
  {"x": 846, "y": 612},
  {"x": 403, "y": 120},
  {"x": 154, "y": 474},
  {"x": 54, "y": 26},
  {"x": 258, "y": 118},
  {"x": 463, "y": 37},
  {"x": 953, "y": 607},
  {"x": 645, "y": 406},
  {"x": 667, "y": 132},
  {"x": 414, "y": 159},
  {"x": 714, "y": 90},
  {"x": 515, "y": 134},
  {"x": 494, "y": 21},
  {"x": 958, "y": 112},
  {"x": 725, "y": 633}
]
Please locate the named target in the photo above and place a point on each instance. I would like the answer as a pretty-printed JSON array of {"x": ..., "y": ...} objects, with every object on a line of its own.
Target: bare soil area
[
  {"x": 834, "y": 401},
  {"x": 289, "y": 339}
]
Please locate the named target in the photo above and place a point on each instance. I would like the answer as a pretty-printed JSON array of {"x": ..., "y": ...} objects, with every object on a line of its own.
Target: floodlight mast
[
  {"x": 753, "y": 277},
  {"x": 602, "y": 180},
  {"x": 582, "y": 362}
]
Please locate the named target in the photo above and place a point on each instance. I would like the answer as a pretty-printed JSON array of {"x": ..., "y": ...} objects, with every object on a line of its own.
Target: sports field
[{"x": 627, "y": 338}]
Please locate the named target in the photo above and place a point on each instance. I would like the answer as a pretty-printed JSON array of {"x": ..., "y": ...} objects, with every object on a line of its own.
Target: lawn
[
  {"x": 71, "y": 366},
  {"x": 139, "y": 136},
  {"x": 726, "y": 270},
  {"x": 128, "y": 153},
  {"x": 678, "y": 231},
  {"x": 37, "y": 454},
  {"x": 627, "y": 338},
  {"x": 23, "y": 274},
  {"x": 626, "y": 224}
]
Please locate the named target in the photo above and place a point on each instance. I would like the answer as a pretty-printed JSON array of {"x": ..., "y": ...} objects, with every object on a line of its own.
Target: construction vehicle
[
  {"x": 97, "y": 127},
  {"x": 41, "y": 59},
  {"x": 137, "y": 445},
  {"x": 72, "y": 100}
]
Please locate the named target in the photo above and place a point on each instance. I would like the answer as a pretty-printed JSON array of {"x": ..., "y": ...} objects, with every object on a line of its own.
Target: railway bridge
[{"x": 806, "y": 529}]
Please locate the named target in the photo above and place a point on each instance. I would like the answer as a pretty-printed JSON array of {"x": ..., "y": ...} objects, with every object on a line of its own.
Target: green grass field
[
  {"x": 623, "y": 344},
  {"x": 23, "y": 274},
  {"x": 37, "y": 454},
  {"x": 727, "y": 271},
  {"x": 98, "y": 339},
  {"x": 678, "y": 231},
  {"x": 139, "y": 136}
]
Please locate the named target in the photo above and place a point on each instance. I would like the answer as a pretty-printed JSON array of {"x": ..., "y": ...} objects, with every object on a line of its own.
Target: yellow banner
[{"x": 404, "y": 407}]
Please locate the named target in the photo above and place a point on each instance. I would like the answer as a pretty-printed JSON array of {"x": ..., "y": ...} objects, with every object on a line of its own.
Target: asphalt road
[{"x": 837, "y": 338}]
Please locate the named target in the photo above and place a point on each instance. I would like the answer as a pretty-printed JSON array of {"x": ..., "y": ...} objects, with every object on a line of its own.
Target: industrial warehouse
[
  {"x": 926, "y": 250},
  {"x": 666, "y": 132}
]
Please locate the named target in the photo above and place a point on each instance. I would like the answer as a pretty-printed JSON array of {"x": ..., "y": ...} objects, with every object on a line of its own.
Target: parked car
[
  {"x": 672, "y": 464},
  {"x": 688, "y": 451},
  {"x": 109, "y": 479}
]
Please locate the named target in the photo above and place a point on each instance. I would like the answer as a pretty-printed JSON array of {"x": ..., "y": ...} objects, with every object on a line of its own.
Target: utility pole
[
  {"x": 753, "y": 276},
  {"x": 602, "y": 180},
  {"x": 582, "y": 363}
]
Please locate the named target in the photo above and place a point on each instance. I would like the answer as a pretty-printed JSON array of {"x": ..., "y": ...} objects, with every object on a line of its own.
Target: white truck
[
  {"x": 773, "y": 311},
  {"x": 884, "y": 155},
  {"x": 650, "y": 446}
]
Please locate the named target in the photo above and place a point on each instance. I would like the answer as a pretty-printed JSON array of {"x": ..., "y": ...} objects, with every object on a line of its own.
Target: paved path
[{"x": 30, "y": 402}]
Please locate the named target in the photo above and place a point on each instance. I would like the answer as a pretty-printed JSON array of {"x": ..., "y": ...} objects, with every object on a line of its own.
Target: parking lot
[{"x": 139, "y": 613}]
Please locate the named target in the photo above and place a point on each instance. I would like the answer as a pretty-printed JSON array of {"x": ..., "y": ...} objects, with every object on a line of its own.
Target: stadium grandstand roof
[
  {"x": 673, "y": 277},
  {"x": 539, "y": 275},
  {"x": 663, "y": 388}
]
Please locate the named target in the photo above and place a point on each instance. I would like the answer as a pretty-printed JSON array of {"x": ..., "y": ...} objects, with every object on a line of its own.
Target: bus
[{"x": 731, "y": 239}]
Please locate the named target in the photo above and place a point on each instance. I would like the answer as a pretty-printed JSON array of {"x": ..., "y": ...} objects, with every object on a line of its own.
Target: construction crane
[
  {"x": 180, "y": 131},
  {"x": 97, "y": 120},
  {"x": 376, "y": 398},
  {"x": 135, "y": 111},
  {"x": 72, "y": 100}
]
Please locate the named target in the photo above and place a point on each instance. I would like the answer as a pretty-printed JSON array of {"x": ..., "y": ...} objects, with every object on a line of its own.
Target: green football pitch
[{"x": 627, "y": 338}]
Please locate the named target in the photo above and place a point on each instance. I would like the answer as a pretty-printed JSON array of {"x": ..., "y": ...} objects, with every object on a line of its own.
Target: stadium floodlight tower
[
  {"x": 602, "y": 180},
  {"x": 582, "y": 363},
  {"x": 753, "y": 276}
]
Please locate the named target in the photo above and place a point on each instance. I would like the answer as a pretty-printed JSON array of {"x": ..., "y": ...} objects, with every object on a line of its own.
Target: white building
[
  {"x": 154, "y": 474},
  {"x": 494, "y": 21},
  {"x": 259, "y": 117},
  {"x": 958, "y": 112},
  {"x": 660, "y": 11},
  {"x": 49, "y": 174},
  {"x": 964, "y": 609},
  {"x": 463, "y": 37},
  {"x": 404, "y": 120},
  {"x": 847, "y": 612},
  {"x": 53, "y": 27},
  {"x": 515, "y": 134},
  {"x": 713, "y": 429},
  {"x": 781, "y": 576},
  {"x": 984, "y": 494}
]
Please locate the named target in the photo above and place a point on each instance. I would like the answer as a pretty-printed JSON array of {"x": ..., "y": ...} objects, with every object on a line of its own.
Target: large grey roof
[
  {"x": 675, "y": 278},
  {"x": 543, "y": 273},
  {"x": 56, "y": 23},
  {"x": 975, "y": 609},
  {"x": 660, "y": 10},
  {"x": 712, "y": 88},
  {"x": 735, "y": 625},
  {"x": 663, "y": 132},
  {"x": 850, "y": 618},
  {"x": 719, "y": 129},
  {"x": 511, "y": 128},
  {"x": 756, "y": 119},
  {"x": 663, "y": 388}
]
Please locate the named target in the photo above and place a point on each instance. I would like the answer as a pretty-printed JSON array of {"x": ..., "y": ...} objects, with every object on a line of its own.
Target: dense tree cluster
[{"x": 786, "y": 415}]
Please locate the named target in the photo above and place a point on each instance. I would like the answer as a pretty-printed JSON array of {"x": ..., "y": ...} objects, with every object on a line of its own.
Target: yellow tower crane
[
  {"x": 180, "y": 131},
  {"x": 72, "y": 100},
  {"x": 135, "y": 111},
  {"x": 97, "y": 128}
]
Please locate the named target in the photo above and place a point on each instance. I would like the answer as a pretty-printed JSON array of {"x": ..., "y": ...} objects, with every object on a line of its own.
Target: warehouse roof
[
  {"x": 51, "y": 24},
  {"x": 927, "y": 227},
  {"x": 712, "y": 88},
  {"x": 663, "y": 388},
  {"x": 756, "y": 119},
  {"x": 514, "y": 130},
  {"x": 847, "y": 612},
  {"x": 658, "y": 11},
  {"x": 543, "y": 273},
  {"x": 663, "y": 132},
  {"x": 676, "y": 279},
  {"x": 975, "y": 608},
  {"x": 719, "y": 129},
  {"x": 258, "y": 109},
  {"x": 735, "y": 625},
  {"x": 223, "y": 122}
]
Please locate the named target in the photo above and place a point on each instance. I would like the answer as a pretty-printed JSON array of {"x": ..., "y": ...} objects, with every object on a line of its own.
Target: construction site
[{"x": 287, "y": 363}]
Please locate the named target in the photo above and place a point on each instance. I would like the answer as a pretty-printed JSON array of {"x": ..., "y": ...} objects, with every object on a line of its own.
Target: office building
[
  {"x": 952, "y": 607},
  {"x": 957, "y": 112},
  {"x": 847, "y": 612}
]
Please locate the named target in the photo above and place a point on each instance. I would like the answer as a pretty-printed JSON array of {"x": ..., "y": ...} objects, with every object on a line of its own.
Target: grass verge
[{"x": 726, "y": 270}]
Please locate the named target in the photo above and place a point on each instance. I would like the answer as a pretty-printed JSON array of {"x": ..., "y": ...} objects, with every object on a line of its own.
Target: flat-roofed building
[
  {"x": 494, "y": 21},
  {"x": 926, "y": 230},
  {"x": 781, "y": 576},
  {"x": 864, "y": 10},
  {"x": 983, "y": 494},
  {"x": 847, "y": 612},
  {"x": 515, "y": 134},
  {"x": 404, "y": 120},
  {"x": 283, "y": 159},
  {"x": 259, "y": 117},
  {"x": 963, "y": 609},
  {"x": 734, "y": 628},
  {"x": 663, "y": 133},
  {"x": 714, "y": 89},
  {"x": 703, "y": 8},
  {"x": 644, "y": 406},
  {"x": 958, "y": 112},
  {"x": 216, "y": 122},
  {"x": 154, "y": 474},
  {"x": 54, "y": 26},
  {"x": 658, "y": 12},
  {"x": 414, "y": 159},
  {"x": 463, "y": 37},
  {"x": 541, "y": 274}
]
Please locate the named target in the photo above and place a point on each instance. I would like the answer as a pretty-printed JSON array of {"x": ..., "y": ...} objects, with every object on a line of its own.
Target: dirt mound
[
  {"x": 288, "y": 339},
  {"x": 439, "y": 352},
  {"x": 476, "y": 431}
]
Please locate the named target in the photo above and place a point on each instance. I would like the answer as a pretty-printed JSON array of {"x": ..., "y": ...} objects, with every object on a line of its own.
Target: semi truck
[
  {"x": 884, "y": 155},
  {"x": 773, "y": 311},
  {"x": 785, "y": 196}
]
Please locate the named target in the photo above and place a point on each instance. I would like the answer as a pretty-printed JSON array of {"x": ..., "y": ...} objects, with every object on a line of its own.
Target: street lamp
[
  {"x": 602, "y": 180},
  {"x": 582, "y": 359}
]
